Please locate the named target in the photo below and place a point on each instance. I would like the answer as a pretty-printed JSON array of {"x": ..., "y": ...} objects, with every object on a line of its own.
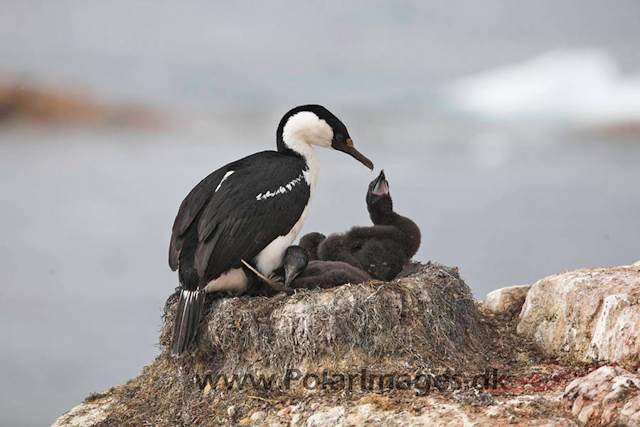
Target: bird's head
[
  {"x": 295, "y": 261},
  {"x": 310, "y": 242},
  {"x": 315, "y": 125},
  {"x": 379, "y": 201}
]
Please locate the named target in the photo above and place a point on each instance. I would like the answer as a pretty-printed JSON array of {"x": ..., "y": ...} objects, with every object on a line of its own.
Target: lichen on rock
[{"x": 609, "y": 395}]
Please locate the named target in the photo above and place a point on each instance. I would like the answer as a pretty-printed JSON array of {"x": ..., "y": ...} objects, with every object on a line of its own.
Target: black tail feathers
[{"x": 188, "y": 316}]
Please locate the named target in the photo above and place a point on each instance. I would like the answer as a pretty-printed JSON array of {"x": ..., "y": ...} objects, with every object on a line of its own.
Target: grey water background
[{"x": 86, "y": 213}]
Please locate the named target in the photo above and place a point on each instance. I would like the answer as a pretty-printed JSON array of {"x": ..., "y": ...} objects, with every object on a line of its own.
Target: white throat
[{"x": 300, "y": 133}]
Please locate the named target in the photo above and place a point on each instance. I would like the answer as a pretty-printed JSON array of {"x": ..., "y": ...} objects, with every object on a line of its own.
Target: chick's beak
[
  {"x": 289, "y": 276},
  {"x": 351, "y": 150},
  {"x": 381, "y": 186}
]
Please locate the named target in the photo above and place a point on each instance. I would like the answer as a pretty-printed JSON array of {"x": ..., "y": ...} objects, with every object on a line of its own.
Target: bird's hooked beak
[
  {"x": 381, "y": 186},
  {"x": 289, "y": 275},
  {"x": 351, "y": 150}
]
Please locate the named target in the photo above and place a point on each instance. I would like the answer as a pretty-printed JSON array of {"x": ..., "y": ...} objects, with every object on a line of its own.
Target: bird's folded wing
[
  {"x": 240, "y": 217},
  {"x": 237, "y": 224},
  {"x": 190, "y": 208}
]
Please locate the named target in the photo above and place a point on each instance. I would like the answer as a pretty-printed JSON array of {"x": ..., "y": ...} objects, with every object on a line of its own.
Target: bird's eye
[{"x": 339, "y": 137}]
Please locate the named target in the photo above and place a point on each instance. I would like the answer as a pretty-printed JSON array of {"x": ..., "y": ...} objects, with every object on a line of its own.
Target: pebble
[
  {"x": 295, "y": 419},
  {"x": 256, "y": 417},
  {"x": 284, "y": 412},
  {"x": 231, "y": 411}
]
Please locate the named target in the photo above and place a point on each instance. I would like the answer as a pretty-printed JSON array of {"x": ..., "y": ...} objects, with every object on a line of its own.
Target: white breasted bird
[{"x": 249, "y": 210}]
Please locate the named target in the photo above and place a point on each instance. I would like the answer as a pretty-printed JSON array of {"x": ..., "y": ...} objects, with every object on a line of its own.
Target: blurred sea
[{"x": 86, "y": 214}]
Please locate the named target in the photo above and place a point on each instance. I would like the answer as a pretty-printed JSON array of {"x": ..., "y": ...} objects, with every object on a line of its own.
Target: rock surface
[
  {"x": 590, "y": 315},
  {"x": 506, "y": 300},
  {"x": 89, "y": 413},
  {"x": 413, "y": 325},
  {"x": 607, "y": 396},
  {"x": 375, "y": 410},
  {"x": 46, "y": 104}
]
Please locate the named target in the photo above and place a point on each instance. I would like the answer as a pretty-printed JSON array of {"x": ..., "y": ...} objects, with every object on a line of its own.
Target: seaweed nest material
[{"x": 425, "y": 321}]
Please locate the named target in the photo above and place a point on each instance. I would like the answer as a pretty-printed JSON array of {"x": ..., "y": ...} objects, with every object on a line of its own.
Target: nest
[{"x": 425, "y": 321}]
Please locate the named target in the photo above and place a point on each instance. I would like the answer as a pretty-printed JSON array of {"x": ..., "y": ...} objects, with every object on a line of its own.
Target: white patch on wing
[
  {"x": 234, "y": 281},
  {"x": 308, "y": 176},
  {"x": 226, "y": 175},
  {"x": 282, "y": 189}
]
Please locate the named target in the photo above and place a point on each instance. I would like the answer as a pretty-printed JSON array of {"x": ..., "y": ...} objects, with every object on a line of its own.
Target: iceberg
[{"x": 584, "y": 86}]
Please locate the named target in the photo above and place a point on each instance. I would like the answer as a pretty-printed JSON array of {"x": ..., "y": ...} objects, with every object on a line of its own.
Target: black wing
[
  {"x": 189, "y": 210},
  {"x": 233, "y": 223}
]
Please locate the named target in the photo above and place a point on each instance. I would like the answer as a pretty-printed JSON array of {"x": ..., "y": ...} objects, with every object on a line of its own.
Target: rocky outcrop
[
  {"x": 507, "y": 300},
  {"x": 607, "y": 396},
  {"x": 590, "y": 315},
  {"x": 474, "y": 369},
  {"x": 91, "y": 412},
  {"x": 372, "y": 331},
  {"x": 428, "y": 411},
  {"x": 46, "y": 104}
]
